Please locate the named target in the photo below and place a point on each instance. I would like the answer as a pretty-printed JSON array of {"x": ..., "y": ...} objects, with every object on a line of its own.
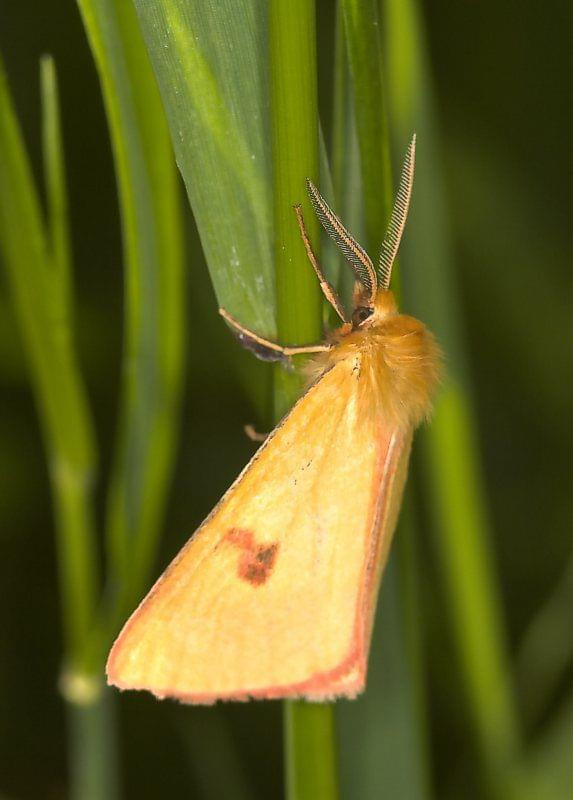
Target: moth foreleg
[{"x": 265, "y": 349}]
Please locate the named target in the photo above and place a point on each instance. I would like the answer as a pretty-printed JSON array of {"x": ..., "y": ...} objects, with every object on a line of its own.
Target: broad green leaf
[{"x": 210, "y": 60}]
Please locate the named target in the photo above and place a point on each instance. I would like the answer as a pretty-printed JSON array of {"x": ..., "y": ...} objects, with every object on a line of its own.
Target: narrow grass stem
[
  {"x": 37, "y": 294},
  {"x": 391, "y": 702},
  {"x": 309, "y": 745},
  {"x": 310, "y": 766},
  {"x": 36, "y": 258},
  {"x": 467, "y": 571},
  {"x": 55, "y": 181},
  {"x": 93, "y": 769},
  {"x": 546, "y": 650},
  {"x": 294, "y": 114},
  {"x": 364, "y": 47},
  {"x": 345, "y": 154},
  {"x": 456, "y": 495}
]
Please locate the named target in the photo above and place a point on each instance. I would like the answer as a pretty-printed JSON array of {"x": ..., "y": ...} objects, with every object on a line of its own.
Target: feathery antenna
[
  {"x": 393, "y": 236},
  {"x": 357, "y": 257}
]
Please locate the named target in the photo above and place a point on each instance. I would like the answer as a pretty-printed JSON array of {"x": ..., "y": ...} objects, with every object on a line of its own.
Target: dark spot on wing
[
  {"x": 257, "y": 561},
  {"x": 257, "y": 569}
]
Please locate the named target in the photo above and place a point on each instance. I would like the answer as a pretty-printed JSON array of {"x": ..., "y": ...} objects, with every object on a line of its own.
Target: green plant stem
[
  {"x": 38, "y": 270},
  {"x": 461, "y": 526},
  {"x": 383, "y": 734},
  {"x": 310, "y": 765},
  {"x": 408, "y": 558},
  {"x": 36, "y": 287},
  {"x": 55, "y": 180},
  {"x": 152, "y": 358},
  {"x": 345, "y": 155},
  {"x": 309, "y": 744},
  {"x": 294, "y": 115},
  {"x": 93, "y": 769},
  {"x": 457, "y": 498},
  {"x": 363, "y": 41},
  {"x": 546, "y": 649}
]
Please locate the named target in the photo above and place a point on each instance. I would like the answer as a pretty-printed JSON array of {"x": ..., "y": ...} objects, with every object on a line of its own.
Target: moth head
[
  {"x": 361, "y": 316},
  {"x": 368, "y": 315}
]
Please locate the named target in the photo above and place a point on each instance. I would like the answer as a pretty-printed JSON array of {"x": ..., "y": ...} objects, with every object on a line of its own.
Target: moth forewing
[{"x": 274, "y": 594}]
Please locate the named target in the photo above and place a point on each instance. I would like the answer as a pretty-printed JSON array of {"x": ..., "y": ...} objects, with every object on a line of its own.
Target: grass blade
[
  {"x": 309, "y": 747},
  {"x": 364, "y": 47},
  {"x": 450, "y": 452},
  {"x": 383, "y": 733},
  {"x": 345, "y": 152},
  {"x": 153, "y": 346},
  {"x": 547, "y": 772},
  {"x": 37, "y": 264},
  {"x": 55, "y": 180},
  {"x": 546, "y": 650},
  {"x": 37, "y": 288},
  {"x": 210, "y": 63},
  {"x": 294, "y": 114}
]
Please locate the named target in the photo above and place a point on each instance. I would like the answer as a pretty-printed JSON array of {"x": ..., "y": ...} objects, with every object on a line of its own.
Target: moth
[{"x": 274, "y": 595}]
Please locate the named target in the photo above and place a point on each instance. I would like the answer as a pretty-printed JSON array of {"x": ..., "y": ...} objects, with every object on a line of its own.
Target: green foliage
[
  {"x": 364, "y": 46},
  {"x": 153, "y": 333},
  {"x": 451, "y": 463},
  {"x": 237, "y": 81},
  {"x": 210, "y": 63},
  {"x": 397, "y": 749},
  {"x": 37, "y": 257},
  {"x": 37, "y": 270},
  {"x": 310, "y": 764}
]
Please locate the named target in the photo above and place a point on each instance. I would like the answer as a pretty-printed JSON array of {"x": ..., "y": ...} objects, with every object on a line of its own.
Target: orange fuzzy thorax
[{"x": 395, "y": 358}]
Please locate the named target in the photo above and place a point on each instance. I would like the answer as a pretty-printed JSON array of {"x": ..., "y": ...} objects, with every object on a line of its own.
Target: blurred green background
[{"x": 501, "y": 75}]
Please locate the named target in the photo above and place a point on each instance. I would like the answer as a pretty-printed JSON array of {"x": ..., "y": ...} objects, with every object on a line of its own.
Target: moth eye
[{"x": 361, "y": 314}]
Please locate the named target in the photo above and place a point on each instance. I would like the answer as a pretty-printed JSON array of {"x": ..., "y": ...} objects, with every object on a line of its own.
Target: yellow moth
[{"x": 274, "y": 595}]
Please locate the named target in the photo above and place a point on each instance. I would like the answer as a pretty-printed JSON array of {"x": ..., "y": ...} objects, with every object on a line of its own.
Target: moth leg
[
  {"x": 327, "y": 289},
  {"x": 264, "y": 348},
  {"x": 253, "y": 434}
]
